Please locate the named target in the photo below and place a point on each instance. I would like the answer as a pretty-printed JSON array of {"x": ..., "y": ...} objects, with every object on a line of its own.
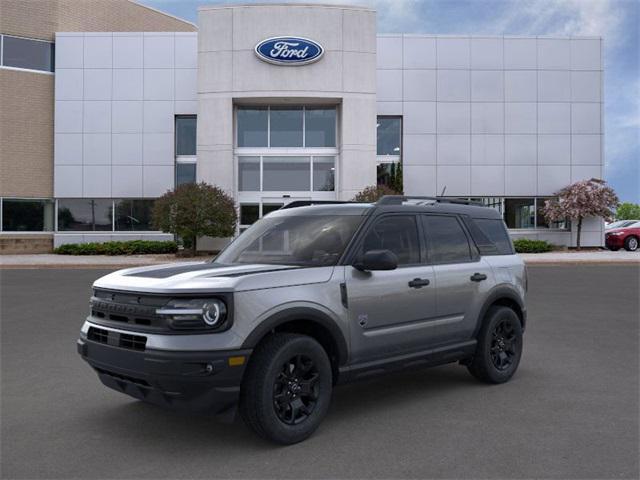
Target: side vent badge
[{"x": 363, "y": 318}]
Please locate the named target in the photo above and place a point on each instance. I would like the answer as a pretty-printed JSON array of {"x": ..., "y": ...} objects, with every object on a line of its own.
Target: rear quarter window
[{"x": 491, "y": 236}]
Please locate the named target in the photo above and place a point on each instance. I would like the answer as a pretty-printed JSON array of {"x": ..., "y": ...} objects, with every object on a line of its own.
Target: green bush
[
  {"x": 524, "y": 245},
  {"x": 132, "y": 247}
]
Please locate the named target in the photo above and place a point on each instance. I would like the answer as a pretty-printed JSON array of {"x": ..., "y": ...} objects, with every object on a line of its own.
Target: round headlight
[{"x": 213, "y": 313}]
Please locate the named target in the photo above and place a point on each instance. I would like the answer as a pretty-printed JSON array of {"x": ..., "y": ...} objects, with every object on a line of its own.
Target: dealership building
[{"x": 274, "y": 103}]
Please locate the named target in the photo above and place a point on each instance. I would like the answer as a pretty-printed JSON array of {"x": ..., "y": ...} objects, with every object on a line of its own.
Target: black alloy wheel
[
  {"x": 499, "y": 347},
  {"x": 286, "y": 389},
  {"x": 503, "y": 345},
  {"x": 296, "y": 390}
]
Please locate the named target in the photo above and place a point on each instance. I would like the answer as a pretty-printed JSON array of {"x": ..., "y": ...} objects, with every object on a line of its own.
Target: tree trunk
[
  {"x": 579, "y": 231},
  {"x": 194, "y": 246}
]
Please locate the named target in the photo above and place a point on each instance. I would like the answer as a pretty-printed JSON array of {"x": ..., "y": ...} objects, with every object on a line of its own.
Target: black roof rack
[
  {"x": 307, "y": 203},
  {"x": 399, "y": 199}
]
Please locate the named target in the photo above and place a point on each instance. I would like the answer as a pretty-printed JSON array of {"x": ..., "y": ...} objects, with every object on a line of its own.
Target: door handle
[
  {"x": 478, "y": 277},
  {"x": 419, "y": 282}
]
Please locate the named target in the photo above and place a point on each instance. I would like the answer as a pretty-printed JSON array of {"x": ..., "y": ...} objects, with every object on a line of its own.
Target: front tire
[
  {"x": 499, "y": 346},
  {"x": 631, "y": 244},
  {"x": 286, "y": 390}
]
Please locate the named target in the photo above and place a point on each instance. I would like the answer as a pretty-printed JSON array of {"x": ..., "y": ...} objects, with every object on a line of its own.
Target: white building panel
[{"x": 115, "y": 104}]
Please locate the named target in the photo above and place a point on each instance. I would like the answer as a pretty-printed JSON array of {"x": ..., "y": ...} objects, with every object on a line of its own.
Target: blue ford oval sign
[{"x": 289, "y": 50}]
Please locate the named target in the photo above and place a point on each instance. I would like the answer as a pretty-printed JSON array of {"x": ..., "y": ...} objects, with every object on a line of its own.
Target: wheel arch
[
  {"x": 307, "y": 321},
  {"x": 507, "y": 297}
]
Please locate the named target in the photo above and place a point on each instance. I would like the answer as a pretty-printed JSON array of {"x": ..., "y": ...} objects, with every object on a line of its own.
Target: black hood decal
[
  {"x": 248, "y": 270},
  {"x": 170, "y": 272}
]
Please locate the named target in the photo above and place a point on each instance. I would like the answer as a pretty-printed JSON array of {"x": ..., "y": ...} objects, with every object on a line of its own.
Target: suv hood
[{"x": 196, "y": 277}]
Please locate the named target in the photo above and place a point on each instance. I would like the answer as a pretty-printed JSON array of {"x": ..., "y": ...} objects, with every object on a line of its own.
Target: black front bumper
[{"x": 194, "y": 381}]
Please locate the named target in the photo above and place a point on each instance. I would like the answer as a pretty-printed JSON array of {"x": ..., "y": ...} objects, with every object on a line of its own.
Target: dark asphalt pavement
[{"x": 571, "y": 411}]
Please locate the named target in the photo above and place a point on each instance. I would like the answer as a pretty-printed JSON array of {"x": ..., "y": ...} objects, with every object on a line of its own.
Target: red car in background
[{"x": 626, "y": 237}]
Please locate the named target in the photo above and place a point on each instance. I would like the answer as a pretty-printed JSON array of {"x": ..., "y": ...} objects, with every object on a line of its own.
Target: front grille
[
  {"x": 117, "y": 339},
  {"x": 128, "y": 310}
]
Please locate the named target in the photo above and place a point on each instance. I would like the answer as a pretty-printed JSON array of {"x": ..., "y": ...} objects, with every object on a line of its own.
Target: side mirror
[{"x": 377, "y": 260}]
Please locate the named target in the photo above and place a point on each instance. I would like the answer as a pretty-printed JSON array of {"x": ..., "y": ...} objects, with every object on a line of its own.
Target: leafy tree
[
  {"x": 586, "y": 198},
  {"x": 373, "y": 193},
  {"x": 628, "y": 211},
  {"x": 195, "y": 210}
]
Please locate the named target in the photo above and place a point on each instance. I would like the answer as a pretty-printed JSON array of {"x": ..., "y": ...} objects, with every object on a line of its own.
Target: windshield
[
  {"x": 308, "y": 241},
  {"x": 620, "y": 224}
]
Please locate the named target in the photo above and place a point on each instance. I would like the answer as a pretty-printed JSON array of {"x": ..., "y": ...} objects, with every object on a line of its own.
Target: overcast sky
[{"x": 617, "y": 21}]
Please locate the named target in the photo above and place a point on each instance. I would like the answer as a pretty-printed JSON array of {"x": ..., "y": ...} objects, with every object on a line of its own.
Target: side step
[{"x": 424, "y": 358}]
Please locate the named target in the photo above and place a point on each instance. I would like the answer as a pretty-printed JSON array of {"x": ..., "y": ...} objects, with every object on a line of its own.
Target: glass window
[
  {"x": 286, "y": 173},
  {"x": 495, "y": 231},
  {"x": 185, "y": 173},
  {"x": 249, "y": 213},
  {"x": 309, "y": 241},
  {"x": 320, "y": 127},
  {"x": 447, "y": 242},
  {"x": 519, "y": 212},
  {"x": 249, "y": 174},
  {"x": 390, "y": 174},
  {"x": 83, "y": 214},
  {"x": 186, "y": 135},
  {"x": 25, "y": 53},
  {"x": 286, "y": 127},
  {"x": 389, "y": 131},
  {"x": 324, "y": 169},
  {"x": 252, "y": 126},
  {"x": 542, "y": 221},
  {"x": 26, "y": 215},
  {"x": 397, "y": 233},
  {"x": 270, "y": 207},
  {"x": 491, "y": 202},
  {"x": 133, "y": 215}
]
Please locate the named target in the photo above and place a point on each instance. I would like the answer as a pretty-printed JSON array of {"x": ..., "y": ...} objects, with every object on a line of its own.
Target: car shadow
[{"x": 137, "y": 421}]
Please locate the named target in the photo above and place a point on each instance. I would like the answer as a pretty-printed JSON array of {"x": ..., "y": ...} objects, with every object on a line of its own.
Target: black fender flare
[
  {"x": 300, "y": 314},
  {"x": 498, "y": 293}
]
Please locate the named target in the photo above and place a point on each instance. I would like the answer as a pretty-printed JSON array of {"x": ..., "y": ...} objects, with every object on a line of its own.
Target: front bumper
[
  {"x": 614, "y": 241},
  {"x": 194, "y": 381}
]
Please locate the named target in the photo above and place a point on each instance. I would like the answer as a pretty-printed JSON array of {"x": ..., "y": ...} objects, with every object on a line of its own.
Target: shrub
[
  {"x": 373, "y": 193},
  {"x": 525, "y": 245},
  {"x": 132, "y": 247}
]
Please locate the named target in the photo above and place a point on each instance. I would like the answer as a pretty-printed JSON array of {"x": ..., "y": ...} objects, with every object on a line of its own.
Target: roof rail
[
  {"x": 399, "y": 199},
  {"x": 307, "y": 203}
]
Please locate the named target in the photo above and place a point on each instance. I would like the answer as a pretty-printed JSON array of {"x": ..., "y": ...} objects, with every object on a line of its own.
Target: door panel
[
  {"x": 387, "y": 315},
  {"x": 458, "y": 296},
  {"x": 455, "y": 261}
]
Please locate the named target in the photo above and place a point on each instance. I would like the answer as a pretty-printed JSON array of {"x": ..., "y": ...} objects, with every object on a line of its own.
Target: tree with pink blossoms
[{"x": 586, "y": 198}]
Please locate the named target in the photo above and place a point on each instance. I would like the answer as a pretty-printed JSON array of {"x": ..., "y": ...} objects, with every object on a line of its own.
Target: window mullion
[
  {"x": 269, "y": 126},
  {"x": 304, "y": 127},
  {"x": 261, "y": 172}
]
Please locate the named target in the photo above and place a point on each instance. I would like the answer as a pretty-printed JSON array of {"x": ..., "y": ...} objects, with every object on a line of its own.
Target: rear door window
[{"x": 446, "y": 240}]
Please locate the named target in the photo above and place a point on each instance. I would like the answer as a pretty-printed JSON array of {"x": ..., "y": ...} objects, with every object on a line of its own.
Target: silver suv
[{"x": 309, "y": 297}]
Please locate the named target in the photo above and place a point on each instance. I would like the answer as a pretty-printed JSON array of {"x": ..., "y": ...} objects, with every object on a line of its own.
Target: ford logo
[{"x": 289, "y": 51}]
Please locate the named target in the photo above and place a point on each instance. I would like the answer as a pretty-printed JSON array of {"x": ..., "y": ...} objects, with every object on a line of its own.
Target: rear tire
[
  {"x": 631, "y": 243},
  {"x": 499, "y": 346},
  {"x": 286, "y": 390}
]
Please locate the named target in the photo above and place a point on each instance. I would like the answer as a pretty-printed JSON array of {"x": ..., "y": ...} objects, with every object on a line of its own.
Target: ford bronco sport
[{"x": 309, "y": 297}]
